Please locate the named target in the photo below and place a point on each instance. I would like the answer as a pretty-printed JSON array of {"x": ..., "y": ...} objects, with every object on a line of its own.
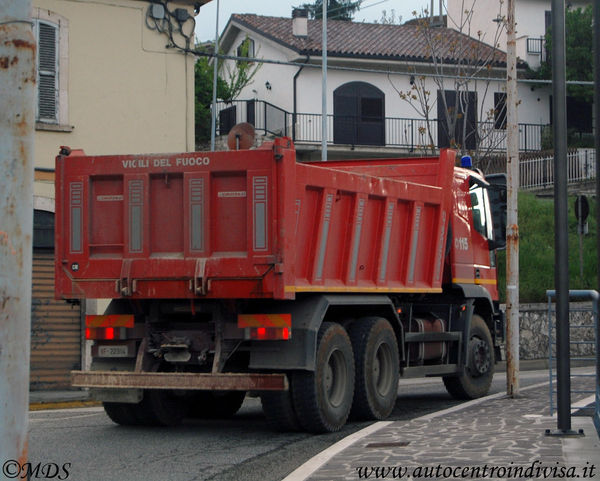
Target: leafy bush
[{"x": 536, "y": 249}]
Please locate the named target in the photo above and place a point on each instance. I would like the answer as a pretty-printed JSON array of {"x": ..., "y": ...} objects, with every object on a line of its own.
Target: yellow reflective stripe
[
  {"x": 109, "y": 320},
  {"x": 360, "y": 289},
  {"x": 264, "y": 320},
  {"x": 475, "y": 281}
]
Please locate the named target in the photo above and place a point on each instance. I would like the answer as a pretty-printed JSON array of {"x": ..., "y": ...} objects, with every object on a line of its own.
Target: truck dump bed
[{"x": 248, "y": 224}]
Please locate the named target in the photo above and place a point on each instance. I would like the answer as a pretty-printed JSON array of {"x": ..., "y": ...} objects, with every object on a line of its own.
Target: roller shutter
[{"x": 55, "y": 325}]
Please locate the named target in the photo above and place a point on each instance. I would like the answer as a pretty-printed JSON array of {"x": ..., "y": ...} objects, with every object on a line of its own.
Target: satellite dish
[{"x": 241, "y": 136}]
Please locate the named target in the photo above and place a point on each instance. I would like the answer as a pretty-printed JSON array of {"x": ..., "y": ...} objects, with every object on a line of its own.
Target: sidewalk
[
  {"x": 59, "y": 399},
  {"x": 495, "y": 431}
]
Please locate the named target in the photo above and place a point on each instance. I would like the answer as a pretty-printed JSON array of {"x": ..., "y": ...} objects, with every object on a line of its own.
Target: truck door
[{"x": 484, "y": 255}]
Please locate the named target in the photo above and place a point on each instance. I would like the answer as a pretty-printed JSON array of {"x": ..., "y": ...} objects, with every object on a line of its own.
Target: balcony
[{"x": 408, "y": 134}]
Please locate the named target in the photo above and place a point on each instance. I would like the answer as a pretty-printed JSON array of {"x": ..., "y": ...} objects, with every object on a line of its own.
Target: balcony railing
[{"x": 410, "y": 134}]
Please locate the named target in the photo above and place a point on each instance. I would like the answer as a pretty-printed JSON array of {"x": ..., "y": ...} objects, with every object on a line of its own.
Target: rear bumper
[{"x": 180, "y": 380}]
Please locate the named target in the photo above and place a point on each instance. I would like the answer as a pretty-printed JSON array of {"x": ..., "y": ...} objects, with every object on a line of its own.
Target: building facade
[{"x": 109, "y": 80}]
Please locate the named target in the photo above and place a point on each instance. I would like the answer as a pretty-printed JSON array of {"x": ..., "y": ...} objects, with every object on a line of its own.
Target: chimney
[{"x": 300, "y": 22}]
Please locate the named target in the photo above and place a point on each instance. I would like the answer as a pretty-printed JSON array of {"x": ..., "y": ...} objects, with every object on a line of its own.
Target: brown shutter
[{"x": 55, "y": 330}]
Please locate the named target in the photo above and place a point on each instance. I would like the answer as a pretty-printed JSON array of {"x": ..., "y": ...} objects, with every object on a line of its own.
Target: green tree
[
  {"x": 240, "y": 73},
  {"x": 336, "y": 9},
  {"x": 579, "y": 47},
  {"x": 204, "y": 90}
]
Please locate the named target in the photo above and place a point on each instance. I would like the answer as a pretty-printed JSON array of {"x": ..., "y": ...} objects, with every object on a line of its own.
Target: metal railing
[
  {"x": 582, "y": 344},
  {"x": 539, "y": 172},
  {"x": 410, "y": 133}
]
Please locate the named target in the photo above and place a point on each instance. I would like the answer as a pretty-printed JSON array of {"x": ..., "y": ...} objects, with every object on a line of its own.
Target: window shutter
[{"x": 47, "y": 72}]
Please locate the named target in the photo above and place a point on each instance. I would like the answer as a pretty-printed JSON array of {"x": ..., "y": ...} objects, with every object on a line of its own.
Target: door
[{"x": 359, "y": 114}]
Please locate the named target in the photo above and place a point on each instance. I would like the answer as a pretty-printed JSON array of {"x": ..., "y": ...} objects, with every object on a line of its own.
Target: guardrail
[{"x": 594, "y": 298}]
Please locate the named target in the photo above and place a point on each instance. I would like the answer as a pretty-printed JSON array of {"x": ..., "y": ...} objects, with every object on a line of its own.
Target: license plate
[{"x": 113, "y": 351}]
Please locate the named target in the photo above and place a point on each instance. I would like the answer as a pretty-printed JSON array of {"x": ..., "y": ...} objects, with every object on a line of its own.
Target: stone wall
[{"x": 533, "y": 342}]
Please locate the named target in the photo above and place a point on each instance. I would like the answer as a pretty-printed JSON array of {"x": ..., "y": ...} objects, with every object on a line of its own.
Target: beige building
[{"x": 112, "y": 78}]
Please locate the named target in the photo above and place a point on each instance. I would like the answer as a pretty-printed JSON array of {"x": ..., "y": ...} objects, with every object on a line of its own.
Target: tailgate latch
[
  {"x": 125, "y": 285},
  {"x": 200, "y": 283}
]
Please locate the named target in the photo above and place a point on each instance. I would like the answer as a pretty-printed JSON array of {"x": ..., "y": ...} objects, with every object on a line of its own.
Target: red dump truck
[{"x": 313, "y": 285}]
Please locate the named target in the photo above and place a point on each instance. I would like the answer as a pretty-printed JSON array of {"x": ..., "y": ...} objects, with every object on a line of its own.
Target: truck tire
[
  {"x": 377, "y": 368},
  {"x": 323, "y": 397},
  {"x": 278, "y": 407},
  {"x": 122, "y": 413},
  {"x": 216, "y": 404},
  {"x": 163, "y": 407},
  {"x": 476, "y": 379}
]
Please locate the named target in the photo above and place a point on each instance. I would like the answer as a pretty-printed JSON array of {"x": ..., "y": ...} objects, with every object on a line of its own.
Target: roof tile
[{"x": 407, "y": 42}]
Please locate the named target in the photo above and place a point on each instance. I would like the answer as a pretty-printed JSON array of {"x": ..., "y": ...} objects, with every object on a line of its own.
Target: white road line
[{"x": 65, "y": 418}]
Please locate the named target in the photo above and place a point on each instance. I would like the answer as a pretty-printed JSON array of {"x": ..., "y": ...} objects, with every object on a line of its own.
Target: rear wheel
[
  {"x": 216, "y": 404},
  {"x": 122, "y": 413},
  {"x": 278, "y": 407},
  {"x": 162, "y": 407},
  {"x": 377, "y": 368},
  {"x": 323, "y": 397},
  {"x": 476, "y": 379}
]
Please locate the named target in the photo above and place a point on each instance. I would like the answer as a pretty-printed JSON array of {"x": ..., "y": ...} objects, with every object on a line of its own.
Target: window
[
  {"x": 480, "y": 208},
  {"x": 51, "y": 33},
  {"x": 47, "y": 77},
  {"x": 499, "y": 110},
  {"x": 246, "y": 48},
  {"x": 534, "y": 45}
]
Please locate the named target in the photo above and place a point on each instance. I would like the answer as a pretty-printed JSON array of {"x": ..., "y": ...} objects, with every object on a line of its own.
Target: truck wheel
[
  {"x": 216, "y": 404},
  {"x": 377, "y": 368},
  {"x": 278, "y": 407},
  {"x": 477, "y": 377},
  {"x": 163, "y": 407},
  {"x": 121, "y": 413},
  {"x": 323, "y": 397}
]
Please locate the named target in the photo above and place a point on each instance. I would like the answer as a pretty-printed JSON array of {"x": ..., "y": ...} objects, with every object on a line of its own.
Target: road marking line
[{"x": 64, "y": 419}]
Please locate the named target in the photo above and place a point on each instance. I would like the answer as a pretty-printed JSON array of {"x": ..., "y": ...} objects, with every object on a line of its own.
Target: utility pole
[
  {"x": 561, "y": 227},
  {"x": 17, "y": 81},
  {"x": 512, "y": 229},
  {"x": 324, "y": 86},
  {"x": 213, "y": 116},
  {"x": 597, "y": 126}
]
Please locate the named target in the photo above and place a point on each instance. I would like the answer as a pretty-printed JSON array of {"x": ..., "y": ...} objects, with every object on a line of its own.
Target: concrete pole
[
  {"x": 213, "y": 115},
  {"x": 561, "y": 253},
  {"x": 324, "y": 86},
  {"x": 17, "y": 82},
  {"x": 512, "y": 185}
]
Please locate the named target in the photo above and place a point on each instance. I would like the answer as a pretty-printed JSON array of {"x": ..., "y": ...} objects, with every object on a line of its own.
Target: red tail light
[
  {"x": 105, "y": 333},
  {"x": 269, "y": 333}
]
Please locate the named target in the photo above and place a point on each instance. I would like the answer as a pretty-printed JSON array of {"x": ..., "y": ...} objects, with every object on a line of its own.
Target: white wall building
[
  {"x": 531, "y": 16},
  {"x": 369, "y": 64}
]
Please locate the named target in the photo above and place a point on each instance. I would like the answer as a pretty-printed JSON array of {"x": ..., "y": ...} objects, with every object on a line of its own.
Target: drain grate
[{"x": 398, "y": 444}]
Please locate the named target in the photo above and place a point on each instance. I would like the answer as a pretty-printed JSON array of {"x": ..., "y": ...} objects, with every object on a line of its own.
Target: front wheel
[
  {"x": 323, "y": 397},
  {"x": 476, "y": 379}
]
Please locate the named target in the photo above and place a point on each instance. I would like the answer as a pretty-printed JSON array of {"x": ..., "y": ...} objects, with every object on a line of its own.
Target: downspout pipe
[{"x": 296, "y": 75}]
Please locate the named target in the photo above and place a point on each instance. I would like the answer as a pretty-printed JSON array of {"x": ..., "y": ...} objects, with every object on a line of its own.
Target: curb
[
  {"x": 42, "y": 406},
  {"x": 316, "y": 462}
]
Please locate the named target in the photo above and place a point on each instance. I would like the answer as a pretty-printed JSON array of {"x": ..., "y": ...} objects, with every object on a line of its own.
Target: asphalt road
[{"x": 240, "y": 449}]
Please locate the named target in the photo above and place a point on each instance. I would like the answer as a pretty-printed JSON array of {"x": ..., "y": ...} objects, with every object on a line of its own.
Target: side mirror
[{"x": 497, "y": 196}]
